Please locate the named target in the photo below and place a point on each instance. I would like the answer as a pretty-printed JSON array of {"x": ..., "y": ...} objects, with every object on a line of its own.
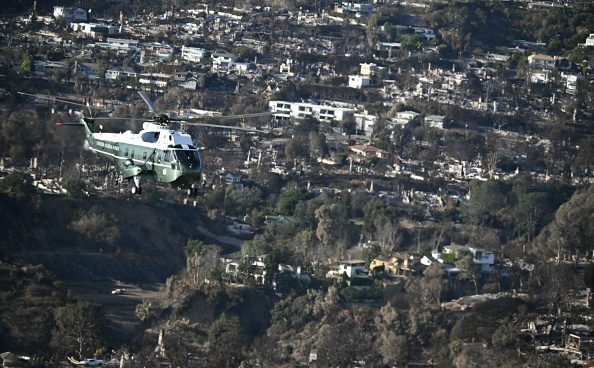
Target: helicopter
[{"x": 157, "y": 152}]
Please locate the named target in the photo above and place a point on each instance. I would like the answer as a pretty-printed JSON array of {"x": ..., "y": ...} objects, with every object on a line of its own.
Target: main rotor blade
[
  {"x": 136, "y": 119},
  {"x": 218, "y": 118},
  {"x": 148, "y": 102},
  {"x": 221, "y": 126},
  {"x": 51, "y": 98}
]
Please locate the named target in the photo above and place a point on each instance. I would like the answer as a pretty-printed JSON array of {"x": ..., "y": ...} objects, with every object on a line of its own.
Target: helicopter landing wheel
[{"x": 136, "y": 189}]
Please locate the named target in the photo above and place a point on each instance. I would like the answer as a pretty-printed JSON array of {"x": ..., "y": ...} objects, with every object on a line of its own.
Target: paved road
[{"x": 119, "y": 309}]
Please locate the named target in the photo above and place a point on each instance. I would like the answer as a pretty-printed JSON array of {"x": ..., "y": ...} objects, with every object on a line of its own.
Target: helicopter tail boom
[{"x": 83, "y": 123}]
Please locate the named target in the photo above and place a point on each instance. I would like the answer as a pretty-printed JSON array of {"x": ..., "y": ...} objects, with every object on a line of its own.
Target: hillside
[
  {"x": 29, "y": 298},
  {"x": 97, "y": 238}
]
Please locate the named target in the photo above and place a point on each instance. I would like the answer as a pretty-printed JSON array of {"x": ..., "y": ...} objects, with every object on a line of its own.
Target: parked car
[{"x": 93, "y": 362}]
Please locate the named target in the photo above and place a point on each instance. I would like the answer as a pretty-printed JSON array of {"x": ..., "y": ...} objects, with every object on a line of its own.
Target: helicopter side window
[
  {"x": 132, "y": 154},
  {"x": 144, "y": 155},
  {"x": 167, "y": 156},
  {"x": 126, "y": 152}
]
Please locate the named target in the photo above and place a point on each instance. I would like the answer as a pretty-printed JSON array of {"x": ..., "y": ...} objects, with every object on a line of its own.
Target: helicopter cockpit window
[
  {"x": 188, "y": 155},
  {"x": 167, "y": 156}
]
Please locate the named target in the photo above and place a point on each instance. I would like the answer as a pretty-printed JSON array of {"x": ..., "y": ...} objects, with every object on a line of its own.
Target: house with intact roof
[
  {"x": 369, "y": 151},
  {"x": 540, "y": 61}
]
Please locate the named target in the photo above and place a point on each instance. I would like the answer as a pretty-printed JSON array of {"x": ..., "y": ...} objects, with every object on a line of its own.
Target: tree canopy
[{"x": 79, "y": 329}]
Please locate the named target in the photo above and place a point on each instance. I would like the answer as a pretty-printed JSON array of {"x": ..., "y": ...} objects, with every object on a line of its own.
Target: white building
[
  {"x": 571, "y": 81},
  {"x": 158, "y": 79},
  {"x": 434, "y": 121},
  {"x": 299, "y": 110},
  {"x": 223, "y": 59},
  {"x": 485, "y": 259},
  {"x": 89, "y": 69},
  {"x": 92, "y": 29},
  {"x": 120, "y": 44},
  {"x": 425, "y": 32},
  {"x": 403, "y": 118},
  {"x": 358, "y": 81},
  {"x": 350, "y": 268},
  {"x": 365, "y": 122},
  {"x": 370, "y": 69},
  {"x": 193, "y": 54},
  {"x": 540, "y": 77},
  {"x": 544, "y": 6},
  {"x": 70, "y": 14},
  {"x": 162, "y": 50},
  {"x": 388, "y": 46},
  {"x": 243, "y": 66},
  {"x": 354, "y": 9},
  {"x": 47, "y": 67},
  {"x": 590, "y": 40},
  {"x": 496, "y": 57},
  {"x": 119, "y": 72}
]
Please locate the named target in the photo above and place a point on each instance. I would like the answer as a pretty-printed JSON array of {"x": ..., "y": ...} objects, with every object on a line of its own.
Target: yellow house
[{"x": 398, "y": 264}]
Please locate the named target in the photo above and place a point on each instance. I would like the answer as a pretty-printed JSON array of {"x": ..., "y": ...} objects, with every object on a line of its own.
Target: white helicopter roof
[{"x": 152, "y": 135}]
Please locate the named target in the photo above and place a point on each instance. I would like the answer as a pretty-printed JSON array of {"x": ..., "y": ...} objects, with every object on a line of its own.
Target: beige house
[
  {"x": 398, "y": 264},
  {"x": 368, "y": 151},
  {"x": 540, "y": 61}
]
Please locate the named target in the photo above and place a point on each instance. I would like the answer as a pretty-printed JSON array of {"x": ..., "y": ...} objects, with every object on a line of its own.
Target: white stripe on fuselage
[{"x": 150, "y": 146}]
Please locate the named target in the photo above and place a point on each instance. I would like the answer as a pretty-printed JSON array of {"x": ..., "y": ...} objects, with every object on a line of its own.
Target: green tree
[
  {"x": 18, "y": 185},
  {"x": 469, "y": 270},
  {"x": 353, "y": 344},
  {"x": 78, "y": 329},
  {"x": 528, "y": 213},
  {"x": 96, "y": 226},
  {"x": 142, "y": 310},
  {"x": 243, "y": 52},
  {"x": 414, "y": 43},
  {"x": 435, "y": 282},
  {"x": 226, "y": 339},
  {"x": 485, "y": 199},
  {"x": 75, "y": 188},
  {"x": 375, "y": 214},
  {"x": 393, "y": 348},
  {"x": 288, "y": 200},
  {"x": 27, "y": 64},
  {"x": 202, "y": 260},
  {"x": 573, "y": 221},
  {"x": 330, "y": 226}
]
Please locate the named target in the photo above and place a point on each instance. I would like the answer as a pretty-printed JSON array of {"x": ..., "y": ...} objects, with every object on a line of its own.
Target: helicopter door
[{"x": 168, "y": 157}]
